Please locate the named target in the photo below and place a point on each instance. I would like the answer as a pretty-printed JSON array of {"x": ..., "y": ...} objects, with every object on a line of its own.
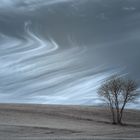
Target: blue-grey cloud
[{"x": 60, "y": 51}]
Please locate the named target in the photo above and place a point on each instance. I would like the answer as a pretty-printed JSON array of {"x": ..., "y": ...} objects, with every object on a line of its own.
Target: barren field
[{"x": 19, "y": 121}]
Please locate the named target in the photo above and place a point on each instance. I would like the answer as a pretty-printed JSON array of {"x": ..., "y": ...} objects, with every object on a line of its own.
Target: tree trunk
[
  {"x": 122, "y": 109},
  {"x": 118, "y": 116},
  {"x": 121, "y": 113},
  {"x": 113, "y": 115},
  {"x": 117, "y": 108}
]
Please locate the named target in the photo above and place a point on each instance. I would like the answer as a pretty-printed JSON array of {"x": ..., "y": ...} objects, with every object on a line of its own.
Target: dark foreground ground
[{"x": 41, "y": 122}]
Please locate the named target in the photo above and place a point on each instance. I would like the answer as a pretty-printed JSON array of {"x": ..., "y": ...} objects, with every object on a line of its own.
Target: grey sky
[{"x": 59, "y": 51}]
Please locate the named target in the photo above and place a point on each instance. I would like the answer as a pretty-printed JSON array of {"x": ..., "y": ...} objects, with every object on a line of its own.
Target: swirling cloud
[{"x": 60, "y": 51}]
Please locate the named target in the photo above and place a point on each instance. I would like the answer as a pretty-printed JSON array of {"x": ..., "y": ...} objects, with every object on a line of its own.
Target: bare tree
[{"x": 117, "y": 92}]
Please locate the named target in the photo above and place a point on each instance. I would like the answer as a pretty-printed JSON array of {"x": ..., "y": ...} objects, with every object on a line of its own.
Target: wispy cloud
[
  {"x": 28, "y": 5},
  {"x": 129, "y": 8}
]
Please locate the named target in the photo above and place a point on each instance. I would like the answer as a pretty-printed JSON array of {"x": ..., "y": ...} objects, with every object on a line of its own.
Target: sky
[{"x": 61, "y": 51}]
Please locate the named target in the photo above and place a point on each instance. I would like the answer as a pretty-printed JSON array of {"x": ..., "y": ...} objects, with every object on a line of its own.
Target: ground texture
[{"x": 43, "y": 122}]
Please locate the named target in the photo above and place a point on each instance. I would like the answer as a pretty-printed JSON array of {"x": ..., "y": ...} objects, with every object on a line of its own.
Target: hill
[{"x": 30, "y": 121}]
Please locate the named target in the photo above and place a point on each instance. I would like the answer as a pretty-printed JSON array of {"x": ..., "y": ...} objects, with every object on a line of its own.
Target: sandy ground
[{"x": 18, "y": 121}]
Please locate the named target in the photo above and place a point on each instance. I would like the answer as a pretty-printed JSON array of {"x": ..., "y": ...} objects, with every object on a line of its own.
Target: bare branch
[{"x": 117, "y": 92}]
